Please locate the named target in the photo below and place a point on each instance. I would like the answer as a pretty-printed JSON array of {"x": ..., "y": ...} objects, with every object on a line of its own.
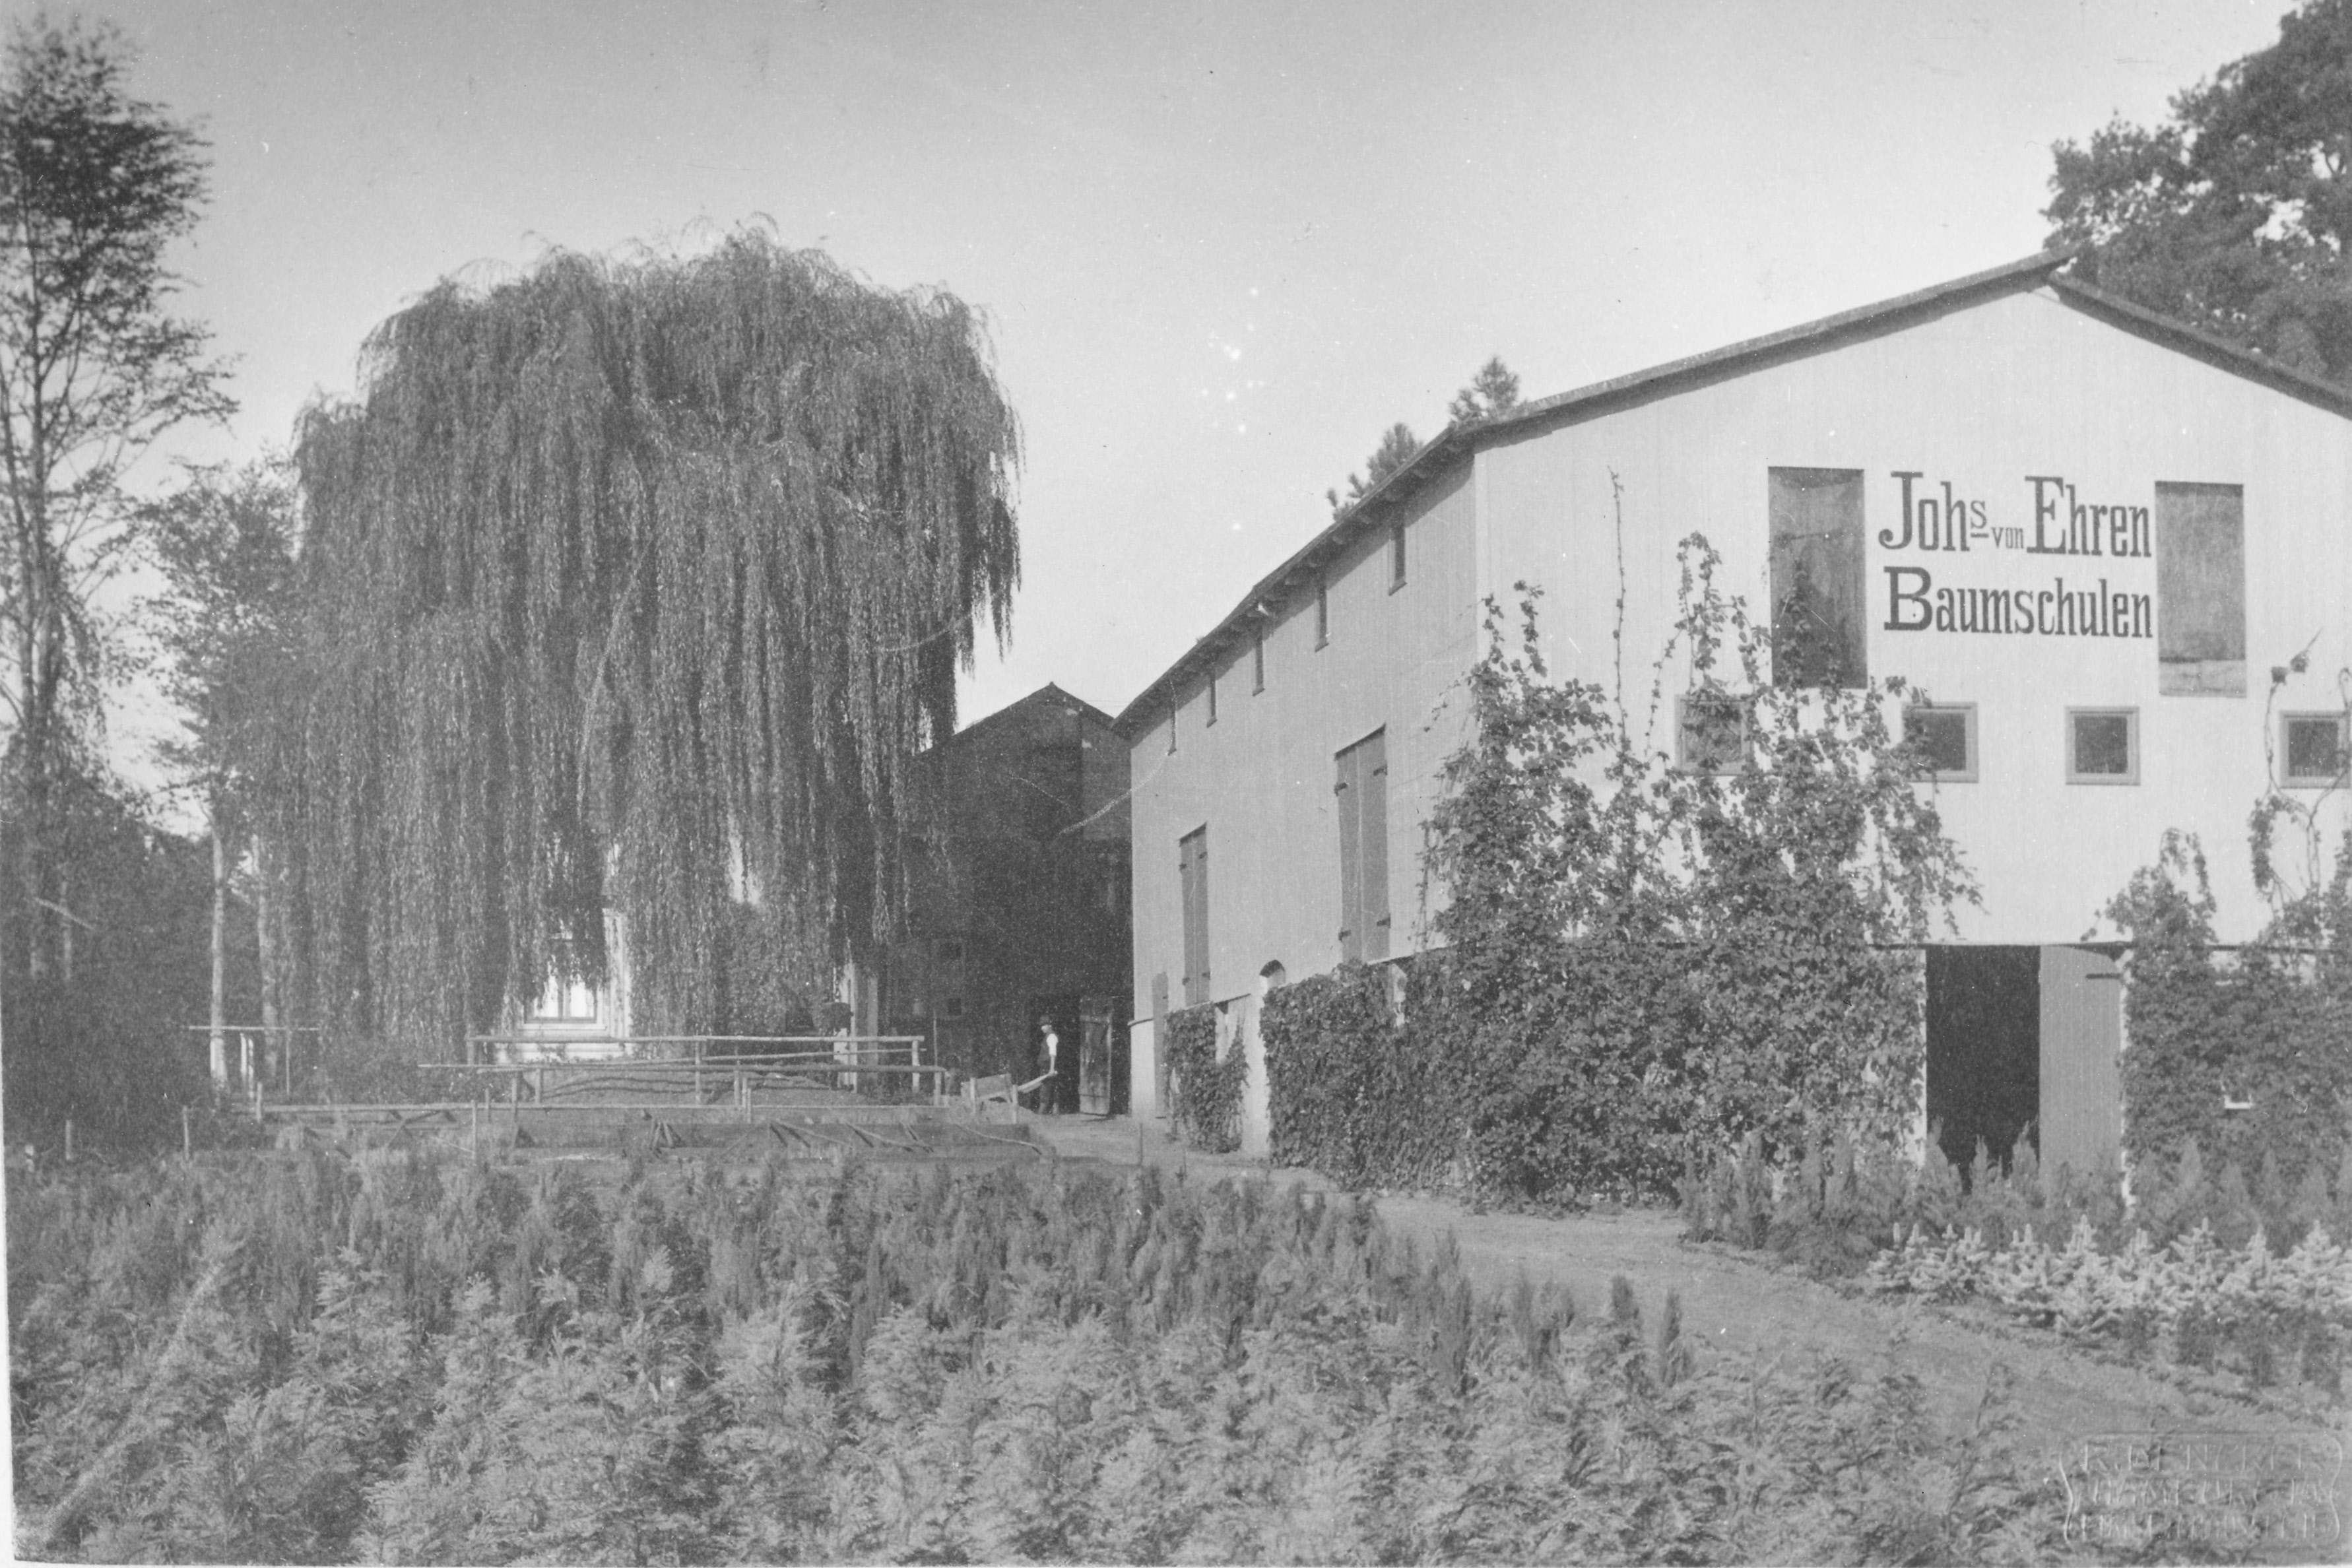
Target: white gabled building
[{"x": 2087, "y": 532}]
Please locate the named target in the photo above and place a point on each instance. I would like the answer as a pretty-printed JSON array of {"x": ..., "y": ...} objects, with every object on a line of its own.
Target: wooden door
[
  {"x": 2081, "y": 1060},
  {"x": 1361, "y": 794},
  {"x": 1095, "y": 1056},
  {"x": 1193, "y": 874}
]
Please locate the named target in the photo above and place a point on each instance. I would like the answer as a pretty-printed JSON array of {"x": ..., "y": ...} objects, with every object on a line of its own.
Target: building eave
[
  {"x": 2199, "y": 344},
  {"x": 1462, "y": 440}
]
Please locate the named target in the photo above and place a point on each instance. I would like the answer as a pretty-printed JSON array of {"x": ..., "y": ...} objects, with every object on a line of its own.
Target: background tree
[
  {"x": 2236, "y": 213},
  {"x": 631, "y": 586},
  {"x": 94, "y": 186},
  {"x": 1398, "y": 444},
  {"x": 225, "y": 545},
  {"x": 1492, "y": 391}
]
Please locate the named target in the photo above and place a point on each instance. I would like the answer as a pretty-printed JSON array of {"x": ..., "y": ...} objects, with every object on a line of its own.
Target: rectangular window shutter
[
  {"x": 1347, "y": 801},
  {"x": 1193, "y": 871},
  {"x": 1362, "y": 814},
  {"x": 1200, "y": 877},
  {"x": 1372, "y": 815},
  {"x": 1818, "y": 637},
  {"x": 2200, "y": 590}
]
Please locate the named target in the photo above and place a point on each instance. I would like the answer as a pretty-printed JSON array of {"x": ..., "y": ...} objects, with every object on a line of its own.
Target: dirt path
[{"x": 1741, "y": 1305}]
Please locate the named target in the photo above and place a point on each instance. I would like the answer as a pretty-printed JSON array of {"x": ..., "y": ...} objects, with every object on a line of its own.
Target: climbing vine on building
[
  {"x": 1367, "y": 1099},
  {"x": 1638, "y": 962},
  {"x": 1641, "y": 959},
  {"x": 1207, "y": 1113},
  {"x": 2241, "y": 1052}
]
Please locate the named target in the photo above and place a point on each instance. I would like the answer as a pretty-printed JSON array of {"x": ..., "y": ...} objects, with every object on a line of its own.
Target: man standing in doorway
[{"x": 1049, "y": 1097}]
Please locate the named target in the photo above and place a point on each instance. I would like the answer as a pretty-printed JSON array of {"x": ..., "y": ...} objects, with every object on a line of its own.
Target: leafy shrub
[
  {"x": 100, "y": 1035},
  {"x": 1208, "y": 1110},
  {"x": 1840, "y": 1202},
  {"x": 311, "y": 1358},
  {"x": 2191, "y": 1258},
  {"x": 1356, "y": 1095}
]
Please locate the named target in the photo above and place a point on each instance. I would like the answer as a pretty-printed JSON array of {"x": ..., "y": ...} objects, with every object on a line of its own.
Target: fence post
[
  {"x": 69, "y": 1139},
  {"x": 187, "y": 1138}
]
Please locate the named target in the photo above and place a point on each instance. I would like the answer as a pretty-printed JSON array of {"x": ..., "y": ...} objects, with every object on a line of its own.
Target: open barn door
[
  {"x": 1984, "y": 1033},
  {"x": 2082, "y": 1060}
]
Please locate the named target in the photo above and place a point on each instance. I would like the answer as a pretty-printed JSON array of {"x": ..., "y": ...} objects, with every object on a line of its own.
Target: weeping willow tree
[{"x": 631, "y": 586}]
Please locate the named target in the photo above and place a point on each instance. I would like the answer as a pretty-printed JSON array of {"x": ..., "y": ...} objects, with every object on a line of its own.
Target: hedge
[
  {"x": 1208, "y": 1110},
  {"x": 1354, "y": 1095}
]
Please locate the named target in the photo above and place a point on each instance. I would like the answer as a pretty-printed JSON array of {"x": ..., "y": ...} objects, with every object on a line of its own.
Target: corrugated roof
[{"x": 1736, "y": 359}]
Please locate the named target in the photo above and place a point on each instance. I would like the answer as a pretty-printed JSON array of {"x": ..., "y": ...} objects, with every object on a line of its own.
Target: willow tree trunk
[{"x": 220, "y": 950}]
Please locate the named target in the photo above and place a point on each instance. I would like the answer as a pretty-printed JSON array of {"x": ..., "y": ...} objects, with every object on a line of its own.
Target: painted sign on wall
[{"x": 2052, "y": 520}]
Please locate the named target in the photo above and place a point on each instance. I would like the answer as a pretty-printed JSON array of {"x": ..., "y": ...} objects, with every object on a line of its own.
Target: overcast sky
[{"x": 1221, "y": 246}]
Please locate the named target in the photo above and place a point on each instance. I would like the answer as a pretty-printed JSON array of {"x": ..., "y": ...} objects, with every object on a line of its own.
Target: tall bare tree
[{"x": 95, "y": 185}]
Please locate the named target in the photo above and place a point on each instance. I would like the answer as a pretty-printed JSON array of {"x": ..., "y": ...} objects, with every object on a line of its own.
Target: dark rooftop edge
[{"x": 1436, "y": 455}]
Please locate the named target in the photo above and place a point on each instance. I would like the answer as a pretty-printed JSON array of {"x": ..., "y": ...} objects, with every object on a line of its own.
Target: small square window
[
  {"x": 2318, "y": 748},
  {"x": 1396, "y": 558},
  {"x": 1945, "y": 736},
  {"x": 954, "y": 1008},
  {"x": 1322, "y": 612},
  {"x": 1712, "y": 732},
  {"x": 1257, "y": 662},
  {"x": 2103, "y": 746}
]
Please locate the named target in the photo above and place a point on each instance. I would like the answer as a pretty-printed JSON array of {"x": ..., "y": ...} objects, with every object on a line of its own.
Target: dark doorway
[{"x": 1984, "y": 1049}]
